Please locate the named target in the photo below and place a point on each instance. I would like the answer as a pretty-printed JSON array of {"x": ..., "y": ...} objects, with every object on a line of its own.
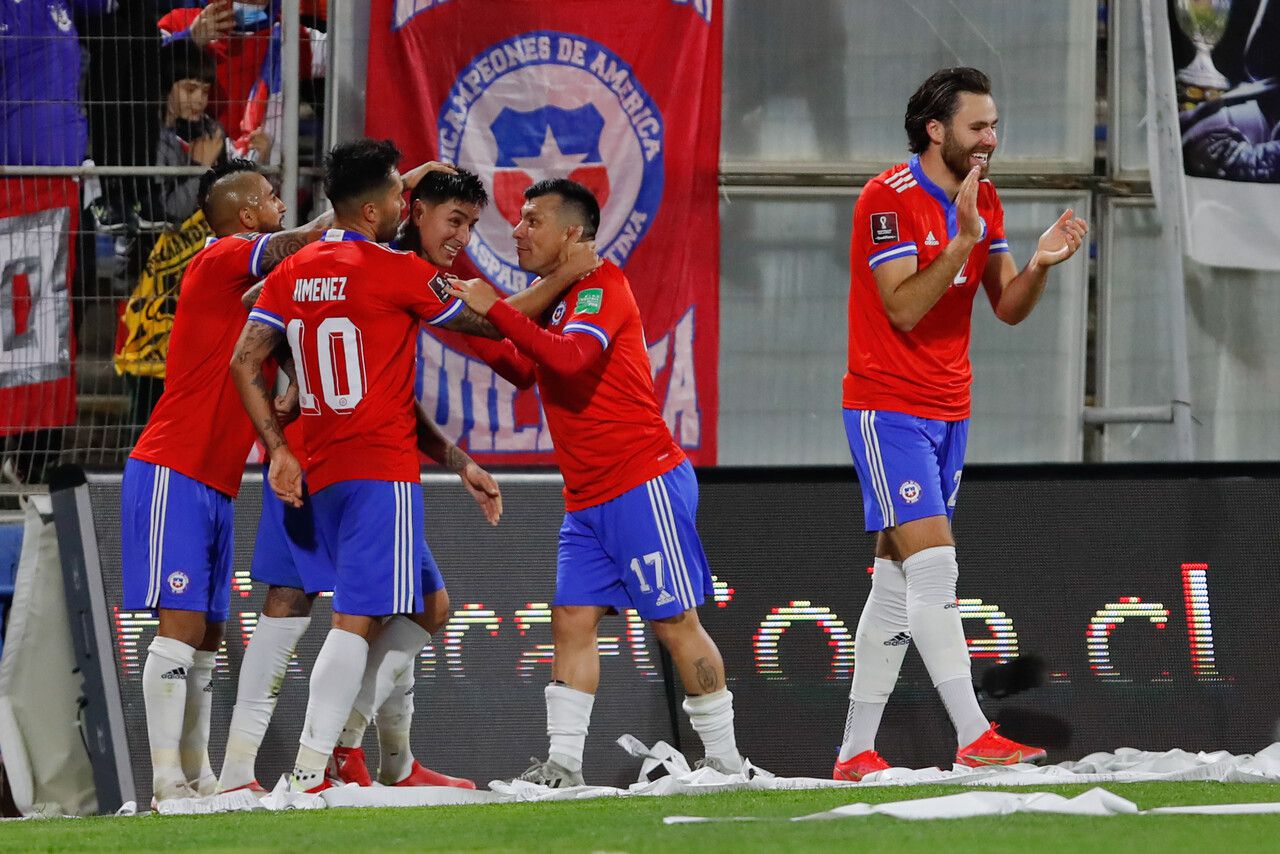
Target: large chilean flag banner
[{"x": 623, "y": 97}]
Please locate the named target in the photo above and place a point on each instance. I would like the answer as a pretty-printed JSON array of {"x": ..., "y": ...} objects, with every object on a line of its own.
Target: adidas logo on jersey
[
  {"x": 930, "y": 240},
  {"x": 900, "y": 639},
  {"x": 176, "y": 673},
  {"x": 664, "y": 598}
]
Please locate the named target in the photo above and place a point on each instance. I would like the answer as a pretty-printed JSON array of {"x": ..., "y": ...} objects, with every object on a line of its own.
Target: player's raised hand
[
  {"x": 285, "y": 477},
  {"x": 1061, "y": 240},
  {"x": 578, "y": 259},
  {"x": 478, "y": 294},
  {"x": 967, "y": 219},
  {"x": 484, "y": 489},
  {"x": 414, "y": 175}
]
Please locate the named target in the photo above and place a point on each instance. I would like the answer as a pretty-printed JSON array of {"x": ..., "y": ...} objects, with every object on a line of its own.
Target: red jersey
[
  {"x": 351, "y": 308},
  {"x": 604, "y": 419},
  {"x": 924, "y": 372},
  {"x": 199, "y": 426}
]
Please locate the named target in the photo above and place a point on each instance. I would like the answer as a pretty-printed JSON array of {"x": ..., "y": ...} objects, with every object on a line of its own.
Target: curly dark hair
[{"x": 939, "y": 98}]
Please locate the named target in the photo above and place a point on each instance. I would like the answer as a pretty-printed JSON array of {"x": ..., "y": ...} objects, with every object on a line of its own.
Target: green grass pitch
[{"x": 635, "y": 825}]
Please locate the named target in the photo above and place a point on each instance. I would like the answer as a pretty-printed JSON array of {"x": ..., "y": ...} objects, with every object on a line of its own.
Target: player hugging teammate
[{"x": 926, "y": 233}]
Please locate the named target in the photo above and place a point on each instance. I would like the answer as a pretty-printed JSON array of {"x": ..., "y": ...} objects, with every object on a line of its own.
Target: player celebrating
[
  {"x": 629, "y": 538},
  {"x": 287, "y": 557},
  {"x": 925, "y": 233},
  {"x": 443, "y": 209},
  {"x": 350, "y": 309},
  {"x": 179, "y": 482}
]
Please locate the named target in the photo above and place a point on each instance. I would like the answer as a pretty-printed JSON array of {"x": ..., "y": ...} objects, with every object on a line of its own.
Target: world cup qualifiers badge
[
  {"x": 178, "y": 581},
  {"x": 548, "y": 104}
]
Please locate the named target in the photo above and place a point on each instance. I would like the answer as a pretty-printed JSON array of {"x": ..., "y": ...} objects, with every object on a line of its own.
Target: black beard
[{"x": 956, "y": 158}]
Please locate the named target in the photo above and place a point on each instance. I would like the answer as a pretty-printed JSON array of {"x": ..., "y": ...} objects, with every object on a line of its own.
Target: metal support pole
[
  {"x": 291, "y": 22},
  {"x": 1165, "y": 147}
]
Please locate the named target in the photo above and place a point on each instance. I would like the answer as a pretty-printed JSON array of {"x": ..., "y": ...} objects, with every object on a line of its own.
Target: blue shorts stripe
[
  {"x": 875, "y": 464},
  {"x": 670, "y": 540},
  {"x": 159, "y": 501},
  {"x": 664, "y": 538},
  {"x": 682, "y": 580}
]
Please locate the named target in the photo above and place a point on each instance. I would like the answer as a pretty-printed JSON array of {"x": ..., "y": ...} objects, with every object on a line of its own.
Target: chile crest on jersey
[{"x": 549, "y": 104}]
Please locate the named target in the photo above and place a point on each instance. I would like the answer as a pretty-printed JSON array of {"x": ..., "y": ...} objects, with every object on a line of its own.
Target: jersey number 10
[{"x": 340, "y": 357}]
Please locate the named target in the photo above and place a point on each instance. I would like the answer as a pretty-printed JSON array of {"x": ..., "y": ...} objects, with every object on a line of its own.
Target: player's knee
[
  {"x": 213, "y": 635},
  {"x": 287, "y": 602},
  {"x": 678, "y": 629},
  {"x": 572, "y": 624},
  {"x": 188, "y": 627},
  {"x": 435, "y": 611}
]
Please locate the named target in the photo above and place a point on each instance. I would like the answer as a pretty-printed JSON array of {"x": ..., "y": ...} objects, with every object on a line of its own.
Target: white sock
[
  {"x": 962, "y": 705},
  {"x": 881, "y": 642},
  {"x": 335, "y": 680},
  {"x": 395, "y": 721},
  {"x": 712, "y": 719},
  {"x": 193, "y": 748},
  {"x": 938, "y": 633},
  {"x": 395, "y": 650},
  {"x": 568, "y": 716},
  {"x": 164, "y": 692},
  {"x": 261, "y": 674}
]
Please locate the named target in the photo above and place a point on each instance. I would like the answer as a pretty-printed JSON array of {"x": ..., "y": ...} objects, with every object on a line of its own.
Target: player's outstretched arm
[
  {"x": 282, "y": 244},
  {"x": 576, "y": 261},
  {"x": 908, "y": 292},
  {"x": 564, "y": 354},
  {"x": 478, "y": 482},
  {"x": 1013, "y": 293},
  {"x": 257, "y": 341},
  {"x": 416, "y": 174}
]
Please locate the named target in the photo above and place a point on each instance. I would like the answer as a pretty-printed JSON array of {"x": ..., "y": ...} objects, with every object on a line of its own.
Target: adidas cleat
[
  {"x": 991, "y": 748},
  {"x": 551, "y": 774},
  {"x": 856, "y": 767}
]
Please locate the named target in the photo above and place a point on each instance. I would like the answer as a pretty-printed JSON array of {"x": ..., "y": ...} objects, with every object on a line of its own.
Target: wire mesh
[{"x": 112, "y": 111}]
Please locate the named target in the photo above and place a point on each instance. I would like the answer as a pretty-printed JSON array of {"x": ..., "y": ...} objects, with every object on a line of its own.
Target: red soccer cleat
[
  {"x": 252, "y": 786},
  {"x": 347, "y": 765},
  {"x": 990, "y": 748},
  {"x": 420, "y": 775},
  {"x": 856, "y": 767},
  {"x": 325, "y": 783}
]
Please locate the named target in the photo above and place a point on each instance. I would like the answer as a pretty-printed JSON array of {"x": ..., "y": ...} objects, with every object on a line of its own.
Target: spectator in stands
[
  {"x": 190, "y": 136},
  {"x": 244, "y": 41}
]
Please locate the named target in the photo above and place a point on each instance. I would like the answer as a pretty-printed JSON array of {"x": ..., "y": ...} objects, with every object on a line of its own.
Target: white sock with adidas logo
[
  {"x": 193, "y": 746},
  {"x": 164, "y": 692},
  {"x": 882, "y": 640}
]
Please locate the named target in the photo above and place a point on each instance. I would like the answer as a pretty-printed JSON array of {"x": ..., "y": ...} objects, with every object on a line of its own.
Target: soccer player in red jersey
[
  {"x": 350, "y": 309},
  {"x": 287, "y": 556},
  {"x": 925, "y": 234},
  {"x": 629, "y": 538},
  {"x": 180, "y": 480}
]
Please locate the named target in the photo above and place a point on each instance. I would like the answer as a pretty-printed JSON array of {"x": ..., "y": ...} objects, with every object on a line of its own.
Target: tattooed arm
[
  {"x": 256, "y": 343},
  {"x": 282, "y": 244},
  {"x": 477, "y": 481}
]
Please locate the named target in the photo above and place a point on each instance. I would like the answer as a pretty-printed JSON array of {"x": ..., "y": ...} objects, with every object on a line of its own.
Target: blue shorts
[
  {"x": 909, "y": 468},
  {"x": 640, "y": 550},
  {"x": 371, "y": 533},
  {"x": 287, "y": 552},
  {"x": 176, "y": 542}
]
